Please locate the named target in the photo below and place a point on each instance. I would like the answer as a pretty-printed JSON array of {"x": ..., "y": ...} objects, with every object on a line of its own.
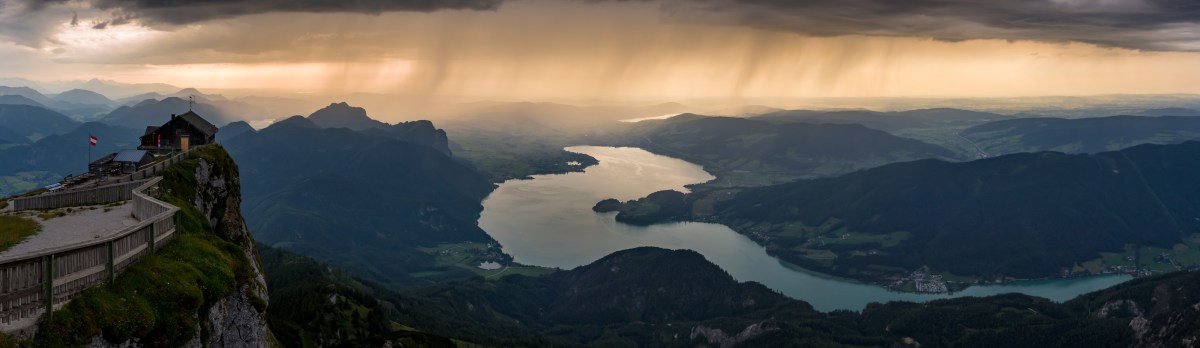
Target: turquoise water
[{"x": 548, "y": 221}]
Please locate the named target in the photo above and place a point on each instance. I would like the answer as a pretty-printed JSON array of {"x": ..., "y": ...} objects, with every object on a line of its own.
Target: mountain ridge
[
  {"x": 975, "y": 219},
  {"x": 749, "y": 152},
  {"x": 322, "y": 190},
  {"x": 1083, "y": 135}
]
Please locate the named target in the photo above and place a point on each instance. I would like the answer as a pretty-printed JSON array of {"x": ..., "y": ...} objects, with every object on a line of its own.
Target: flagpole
[{"x": 89, "y": 164}]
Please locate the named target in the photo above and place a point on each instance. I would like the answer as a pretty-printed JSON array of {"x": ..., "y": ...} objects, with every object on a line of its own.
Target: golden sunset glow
[{"x": 617, "y": 51}]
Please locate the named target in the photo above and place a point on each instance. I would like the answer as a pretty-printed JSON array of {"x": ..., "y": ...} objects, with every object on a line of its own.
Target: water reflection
[{"x": 548, "y": 221}]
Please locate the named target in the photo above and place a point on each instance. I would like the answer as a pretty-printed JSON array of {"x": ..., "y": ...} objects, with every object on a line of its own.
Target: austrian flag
[{"x": 93, "y": 139}]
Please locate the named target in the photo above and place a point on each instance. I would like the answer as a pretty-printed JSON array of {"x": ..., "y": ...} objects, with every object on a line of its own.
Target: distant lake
[
  {"x": 548, "y": 221},
  {"x": 659, "y": 117}
]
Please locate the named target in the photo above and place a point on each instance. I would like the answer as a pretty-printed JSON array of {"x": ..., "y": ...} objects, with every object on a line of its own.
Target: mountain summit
[{"x": 342, "y": 115}]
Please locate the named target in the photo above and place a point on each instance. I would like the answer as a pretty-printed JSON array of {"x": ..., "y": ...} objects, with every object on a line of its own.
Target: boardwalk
[
  {"x": 82, "y": 225},
  {"x": 81, "y": 250},
  {"x": 108, "y": 229}
]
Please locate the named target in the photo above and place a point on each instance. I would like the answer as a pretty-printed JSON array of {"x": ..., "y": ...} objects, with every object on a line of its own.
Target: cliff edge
[{"x": 204, "y": 289}]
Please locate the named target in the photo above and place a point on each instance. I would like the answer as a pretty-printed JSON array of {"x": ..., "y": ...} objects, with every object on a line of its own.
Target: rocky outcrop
[
  {"x": 422, "y": 132},
  {"x": 718, "y": 337},
  {"x": 342, "y": 115},
  {"x": 238, "y": 320},
  {"x": 219, "y": 198},
  {"x": 1170, "y": 319}
]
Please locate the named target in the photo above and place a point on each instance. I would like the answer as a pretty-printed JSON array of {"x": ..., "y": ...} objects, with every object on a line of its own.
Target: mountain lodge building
[{"x": 178, "y": 134}]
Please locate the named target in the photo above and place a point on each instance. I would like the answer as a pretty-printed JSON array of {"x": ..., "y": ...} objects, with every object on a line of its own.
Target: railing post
[
  {"x": 151, "y": 238},
  {"x": 111, "y": 267},
  {"x": 48, "y": 283}
]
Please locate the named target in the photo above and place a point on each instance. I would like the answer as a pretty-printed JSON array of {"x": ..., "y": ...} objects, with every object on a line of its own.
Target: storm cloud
[
  {"x": 1152, "y": 25},
  {"x": 185, "y": 12},
  {"x": 159, "y": 13},
  {"x": 30, "y": 22},
  {"x": 1155, "y": 25}
]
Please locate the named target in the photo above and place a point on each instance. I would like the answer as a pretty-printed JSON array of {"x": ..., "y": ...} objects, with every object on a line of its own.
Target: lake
[{"x": 548, "y": 221}]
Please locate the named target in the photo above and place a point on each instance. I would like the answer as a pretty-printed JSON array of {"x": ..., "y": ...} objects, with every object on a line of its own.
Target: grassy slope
[{"x": 13, "y": 230}]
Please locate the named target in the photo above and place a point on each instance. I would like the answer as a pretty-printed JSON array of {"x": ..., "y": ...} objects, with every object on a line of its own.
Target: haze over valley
[{"x": 539, "y": 173}]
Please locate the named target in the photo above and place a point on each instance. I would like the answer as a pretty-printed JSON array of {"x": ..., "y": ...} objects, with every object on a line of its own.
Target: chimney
[{"x": 172, "y": 116}]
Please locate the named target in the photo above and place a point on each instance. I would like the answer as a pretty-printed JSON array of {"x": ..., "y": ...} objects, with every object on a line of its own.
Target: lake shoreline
[
  {"x": 548, "y": 221},
  {"x": 882, "y": 283}
]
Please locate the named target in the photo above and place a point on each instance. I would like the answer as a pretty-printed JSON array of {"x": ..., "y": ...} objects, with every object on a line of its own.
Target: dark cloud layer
[
  {"x": 176, "y": 12},
  {"x": 1139, "y": 24},
  {"x": 32, "y": 22},
  {"x": 1154, "y": 25}
]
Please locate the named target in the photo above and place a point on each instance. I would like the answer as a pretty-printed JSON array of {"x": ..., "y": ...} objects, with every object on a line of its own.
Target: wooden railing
[
  {"x": 37, "y": 282},
  {"x": 153, "y": 169},
  {"x": 98, "y": 195},
  {"x": 116, "y": 189}
]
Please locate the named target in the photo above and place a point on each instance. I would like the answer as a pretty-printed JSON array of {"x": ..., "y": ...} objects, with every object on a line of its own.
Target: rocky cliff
[{"x": 234, "y": 321}]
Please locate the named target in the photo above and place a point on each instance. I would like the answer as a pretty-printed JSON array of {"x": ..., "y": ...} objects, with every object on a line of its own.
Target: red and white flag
[{"x": 93, "y": 139}]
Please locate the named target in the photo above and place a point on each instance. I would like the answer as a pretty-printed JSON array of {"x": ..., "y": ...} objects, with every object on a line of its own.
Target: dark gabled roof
[
  {"x": 131, "y": 156},
  {"x": 200, "y": 123},
  {"x": 107, "y": 158},
  {"x": 150, "y": 129}
]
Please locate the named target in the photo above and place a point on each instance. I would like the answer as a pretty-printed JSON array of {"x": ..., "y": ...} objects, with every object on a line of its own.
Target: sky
[{"x": 618, "y": 50}]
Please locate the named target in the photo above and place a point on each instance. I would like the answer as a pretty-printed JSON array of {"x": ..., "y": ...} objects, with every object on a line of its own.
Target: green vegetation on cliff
[{"x": 161, "y": 300}]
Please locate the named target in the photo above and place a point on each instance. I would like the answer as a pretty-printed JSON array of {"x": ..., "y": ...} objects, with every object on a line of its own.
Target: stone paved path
[{"x": 78, "y": 226}]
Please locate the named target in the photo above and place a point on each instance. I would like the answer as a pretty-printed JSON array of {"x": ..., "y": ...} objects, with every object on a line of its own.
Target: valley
[
  {"x": 599, "y": 173},
  {"x": 506, "y": 220}
]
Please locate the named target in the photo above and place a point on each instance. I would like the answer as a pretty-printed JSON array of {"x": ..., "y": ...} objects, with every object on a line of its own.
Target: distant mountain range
[
  {"x": 753, "y": 152},
  {"x": 1083, "y": 135},
  {"x": 27, "y": 93},
  {"x": 323, "y": 191},
  {"x": 1028, "y": 215},
  {"x": 19, "y": 100},
  {"x": 82, "y": 97},
  {"x": 25, "y": 123},
  {"x": 88, "y": 105},
  {"x": 130, "y": 101},
  {"x": 233, "y": 130},
  {"x": 886, "y": 121},
  {"x": 79, "y": 104},
  {"x": 105, "y": 87},
  {"x": 1166, "y": 112},
  {"x": 156, "y": 112},
  {"x": 32, "y": 165},
  {"x": 552, "y": 119}
]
